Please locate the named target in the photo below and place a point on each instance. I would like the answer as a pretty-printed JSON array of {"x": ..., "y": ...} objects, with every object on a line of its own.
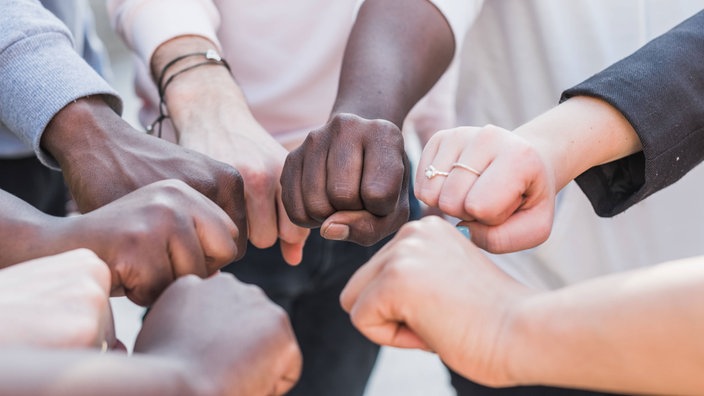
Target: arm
[
  {"x": 209, "y": 111},
  {"x": 658, "y": 90},
  {"x": 621, "y": 333},
  {"x": 628, "y": 131},
  {"x": 351, "y": 176},
  {"x": 56, "y": 102},
  {"x": 244, "y": 348},
  {"x": 509, "y": 205},
  {"x": 148, "y": 237}
]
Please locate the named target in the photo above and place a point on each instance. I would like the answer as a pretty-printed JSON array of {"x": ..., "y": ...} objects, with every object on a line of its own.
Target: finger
[
  {"x": 291, "y": 194},
  {"x": 525, "y": 229},
  {"x": 385, "y": 168},
  {"x": 427, "y": 156},
  {"x": 216, "y": 234},
  {"x": 361, "y": 226},
  {"x": 499, "y": 192},
  {"x": 292, "y": 190},
  {"x": 431, "y": 183},
  {"x": 461, "y": 181},
  {"x": 147, "y": 275},
  {"x": 292, "y": 238},
  {"x": 314, "y": 177},
  {"x": 231, "y": 197},
  {"x": 261, "y": 212},
  {"x": 344, "y": 170},
  {"x": 363, "y": 276},
  {"x": 374, "y": 315},
  {"x": 292, "y": 361},
  {"x": 185, "y": 251}
]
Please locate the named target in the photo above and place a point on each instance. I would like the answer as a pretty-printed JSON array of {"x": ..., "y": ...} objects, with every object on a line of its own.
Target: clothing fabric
[
  {"x": 289, "y": 74},
  {"x": 31, "y": 181},
  {"x": 286, "y": 57},
  {"x": 517, "y": 59},
  {"x": 337, "y": 358},
  {"x": 659, "y": 90},
  {"x": 41, "y": 73}
]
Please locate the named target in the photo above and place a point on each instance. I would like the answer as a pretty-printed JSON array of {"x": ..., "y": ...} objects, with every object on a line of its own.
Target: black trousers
[{"x": 35, "y": 184}]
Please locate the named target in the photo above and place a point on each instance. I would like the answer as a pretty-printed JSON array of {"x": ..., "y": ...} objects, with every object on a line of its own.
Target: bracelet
[{"x": 211, "y": 58}]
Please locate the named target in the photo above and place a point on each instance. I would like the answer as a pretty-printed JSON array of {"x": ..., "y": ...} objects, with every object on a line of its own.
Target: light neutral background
[{"x": 398, "y": 372}]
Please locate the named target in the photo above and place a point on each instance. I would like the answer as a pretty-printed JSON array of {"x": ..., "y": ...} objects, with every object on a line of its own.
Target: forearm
[
  {"x": 579, "y": 134},
  {"x": 76, "y": 372},
  {"x": 194, "y": 97},
  {"x": 22, "y": 231},
  {"x": 658, "y": 89},
  {"x": 636, "y": 332},
  {"x": 396, "y": 51}
]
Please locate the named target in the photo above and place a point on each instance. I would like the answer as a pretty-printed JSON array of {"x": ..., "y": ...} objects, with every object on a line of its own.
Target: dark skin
[
  {"x": 148, "y": 237},
  {"x": 214, "y": 336},
  {"x": 350, "y": 177},
  {"x": 103, "y": 158}
]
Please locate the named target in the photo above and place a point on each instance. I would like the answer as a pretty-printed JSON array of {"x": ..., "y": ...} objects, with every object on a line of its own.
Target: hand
[
  {"x": 103, "y": 159},
  {"x": 430, "y": 288},
  {"x": 57, "y": 301},
  {"x": 236, "y": 340},
  {"x": 510, "y": 205},
  {"x": 152, "y": 236},
  {"x": 349, "y": 177},
  {"x": 211, "y": 116}
]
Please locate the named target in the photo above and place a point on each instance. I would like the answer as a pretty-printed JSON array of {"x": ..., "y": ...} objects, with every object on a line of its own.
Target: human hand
[
  {"x": 432, "y": 289},
  {"x": 349, "y": 177},
  {"x": 57, "y": 301},
  {"x": 210, "y": 115},
  {"x": 103, "y": 158},
  {"x": 236, "y": 340},
  {"x": 152, "y": 236},
  {"x": 509, "y": 205}
]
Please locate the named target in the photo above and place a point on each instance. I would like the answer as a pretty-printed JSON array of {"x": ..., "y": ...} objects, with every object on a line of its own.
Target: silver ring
[
  {"x": 465, "y": 167},
  {"x": 431, "y": 172}
]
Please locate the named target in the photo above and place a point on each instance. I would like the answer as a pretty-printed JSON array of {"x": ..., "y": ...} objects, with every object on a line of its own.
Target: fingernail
[{"x": 336, "y": 232}]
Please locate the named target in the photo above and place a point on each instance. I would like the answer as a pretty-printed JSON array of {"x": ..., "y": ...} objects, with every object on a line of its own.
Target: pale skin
[
  {"x": 634, "y": 332},
  {"x": 511, "y": 205},
  {"x": 208, "y": 337},
  {"x": 211, "y": 116},
  {"x": 58, "y": 301}
]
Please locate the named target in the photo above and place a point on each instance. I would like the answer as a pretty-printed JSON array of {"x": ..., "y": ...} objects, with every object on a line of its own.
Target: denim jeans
[{"x": 337, "y": 359}]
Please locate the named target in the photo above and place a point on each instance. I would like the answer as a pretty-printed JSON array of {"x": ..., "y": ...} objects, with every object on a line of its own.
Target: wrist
[
  {"x": 531, "y": 339},
  {"x": 78, "y": 127},
  {"x": 579, "y": 134}
]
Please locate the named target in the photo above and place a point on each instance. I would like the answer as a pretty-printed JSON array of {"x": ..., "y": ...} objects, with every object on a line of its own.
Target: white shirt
[
  {"x": 517, "y": 59},
  {"x": 286, "y": 56}
]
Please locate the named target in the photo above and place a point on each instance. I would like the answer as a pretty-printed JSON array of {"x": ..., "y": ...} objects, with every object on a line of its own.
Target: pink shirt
[{"x": 286, "y": 55}]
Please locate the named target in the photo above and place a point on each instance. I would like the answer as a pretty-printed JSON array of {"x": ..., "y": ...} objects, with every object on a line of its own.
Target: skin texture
[
  {"x": 214, "y": 336},
  {"x": 57, "y": 301},
  {"x": 211, "y": 116},
  {"x": 453, "y": 300},
  {"x": 92, "y": 144},
  {"x": 148, "y": 237},
  {"x": 350, "y": 177},
  {"x": 511, "y": 205}
]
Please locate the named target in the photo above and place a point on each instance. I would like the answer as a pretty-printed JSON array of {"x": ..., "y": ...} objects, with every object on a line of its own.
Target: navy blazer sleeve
[{"x": 660, "y": 91}]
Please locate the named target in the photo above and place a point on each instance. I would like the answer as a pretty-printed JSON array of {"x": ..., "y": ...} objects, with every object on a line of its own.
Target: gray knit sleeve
[{"x": 40, "y": 72}]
